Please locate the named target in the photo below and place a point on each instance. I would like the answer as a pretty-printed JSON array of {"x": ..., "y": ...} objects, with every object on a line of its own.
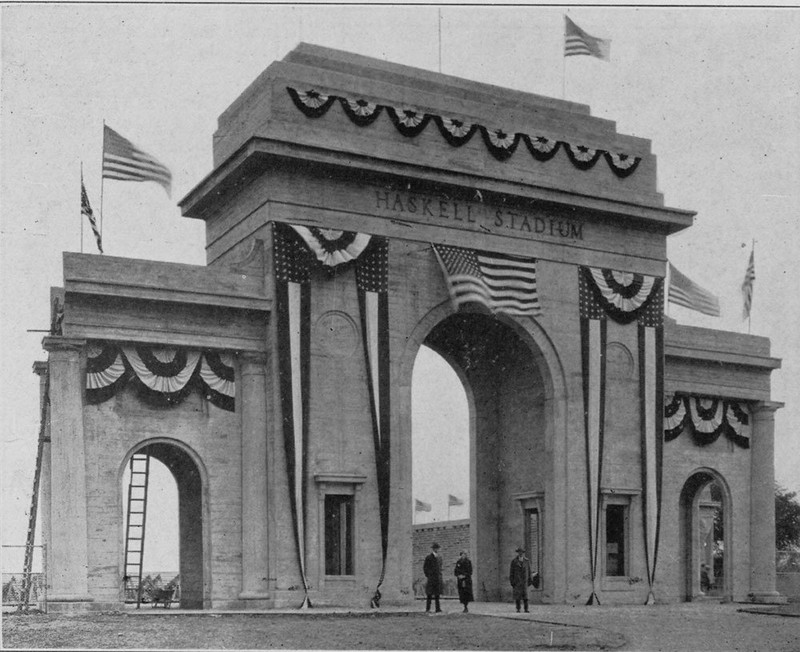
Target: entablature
[{"x": 169, "y": 304}]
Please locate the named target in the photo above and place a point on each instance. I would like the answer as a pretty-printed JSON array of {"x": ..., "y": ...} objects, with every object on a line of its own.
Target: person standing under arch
[
  {"x": 432, "y": 567},
  {"x": 519, "y": 575}
]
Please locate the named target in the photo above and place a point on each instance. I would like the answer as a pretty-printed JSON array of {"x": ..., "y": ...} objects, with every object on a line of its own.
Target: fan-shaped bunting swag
[
  {"x": 164, "y": 376},
  {"x": 623, "y": 295},
  {"x": 706, "y": 419},
  {"x": 411, "y": 122}
]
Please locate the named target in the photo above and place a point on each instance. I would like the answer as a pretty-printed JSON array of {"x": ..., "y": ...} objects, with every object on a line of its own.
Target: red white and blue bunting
[
  {"x": 164, "y": 376},
  {"x": 299, "y": 251},
  {"x": 502, "y": 144},
  {"x": 706, "y": 418},
  {"x": 624, "y": 297}
]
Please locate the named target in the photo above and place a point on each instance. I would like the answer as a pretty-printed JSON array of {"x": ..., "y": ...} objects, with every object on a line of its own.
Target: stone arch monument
[{"x": 357, "y": 210}]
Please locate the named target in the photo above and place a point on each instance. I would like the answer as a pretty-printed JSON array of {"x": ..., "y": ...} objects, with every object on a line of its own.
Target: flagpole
[
  {"x": 81, "y": 207},
  {"x": 564, "y": 63},
  {"x": 750, "y": 312},
  {"x": 102, "y": 177},
  {"x": 440, "y": 40}
]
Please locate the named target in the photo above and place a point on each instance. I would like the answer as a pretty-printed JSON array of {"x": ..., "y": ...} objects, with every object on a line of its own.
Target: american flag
[
  {"x": 501, "y": 282},
  {"x": 576, "y": 42},
  {"x": 124, "y": 161},
  {"x": 419, "y": 506},
  {"x": 747, "y": 285},
  {"x": 683, "y": 291},
  {"x": 86, "y": 209},
  {"x": 454, "y": 501}
]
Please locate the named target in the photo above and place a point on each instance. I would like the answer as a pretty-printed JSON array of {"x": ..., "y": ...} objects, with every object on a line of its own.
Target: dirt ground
[{"x": 488, "y": 627}]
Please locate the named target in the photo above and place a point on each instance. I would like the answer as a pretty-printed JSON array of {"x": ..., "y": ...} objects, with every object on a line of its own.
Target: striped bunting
[
  {"x": 683, "y": 291},
  {"x": 500, "y": 282},
  {"x": 123, "y": 161}
]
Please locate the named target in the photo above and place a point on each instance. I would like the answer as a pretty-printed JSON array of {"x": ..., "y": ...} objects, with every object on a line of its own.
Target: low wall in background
[{"x": 453, "y": 537}]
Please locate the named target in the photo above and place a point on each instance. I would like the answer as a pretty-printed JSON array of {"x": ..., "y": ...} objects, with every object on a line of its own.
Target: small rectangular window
[
  {"x": 616, "y": 540},
  {"x": 338, "y": 534},
  {"x": 533, "y": 542}
]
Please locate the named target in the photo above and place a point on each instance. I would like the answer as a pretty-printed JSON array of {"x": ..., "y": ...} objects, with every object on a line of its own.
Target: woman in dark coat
[{"x": 464, "y": 580}]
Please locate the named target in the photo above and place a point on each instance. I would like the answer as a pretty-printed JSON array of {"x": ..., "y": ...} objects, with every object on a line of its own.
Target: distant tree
[{"x": 787, "y": 518}]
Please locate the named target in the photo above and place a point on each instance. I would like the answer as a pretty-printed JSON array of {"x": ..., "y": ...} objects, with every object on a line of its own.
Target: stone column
[
  {"x": 762, "y": 504},
  {"x": 69, "y": 521},
  {"x": 252, "y": 401}
]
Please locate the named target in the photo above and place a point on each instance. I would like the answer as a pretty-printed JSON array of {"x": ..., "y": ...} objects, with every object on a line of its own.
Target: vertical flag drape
[
  {"x": 372, "y": 282},
  {"x": 298, "y": 250},
  {"x": 747, "y": 285},
  {"x": 86, "y": 210},
  {"x": 625, "y": 297},
  {"x": 293, "y": 308},
  {"x": 593, "y": 356},
  {"x": 651, "y": 397}
]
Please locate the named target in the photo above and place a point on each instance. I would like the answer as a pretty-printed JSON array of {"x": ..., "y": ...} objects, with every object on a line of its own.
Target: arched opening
[
  {"x": 174, "y": 524},
  {"x": 505, "y": 436},
  {"x": 705, "y": 537},
  {"x": 440, "y": 429}
]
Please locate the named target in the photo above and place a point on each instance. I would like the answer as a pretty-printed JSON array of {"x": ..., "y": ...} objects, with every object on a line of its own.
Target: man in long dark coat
[
  {"x": 433, "y": 572},
  {"x": 519, "y": 575}
]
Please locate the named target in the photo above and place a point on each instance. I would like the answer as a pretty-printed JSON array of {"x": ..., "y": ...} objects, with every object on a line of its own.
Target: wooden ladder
[
  {"x": 37, "y": 476},
  {"x": 137, "y": 518}
]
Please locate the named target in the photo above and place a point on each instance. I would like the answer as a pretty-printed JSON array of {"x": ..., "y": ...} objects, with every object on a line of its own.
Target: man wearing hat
[
  {"x": 433, "y": 572},
  {"x": 519, "y": 575}
]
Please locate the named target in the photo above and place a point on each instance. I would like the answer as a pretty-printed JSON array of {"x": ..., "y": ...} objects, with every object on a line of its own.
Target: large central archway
[{"x": 508, "y": 425}]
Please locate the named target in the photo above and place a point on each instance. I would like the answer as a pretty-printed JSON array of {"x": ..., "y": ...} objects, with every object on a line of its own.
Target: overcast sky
[{"x": 716, "y": 90}]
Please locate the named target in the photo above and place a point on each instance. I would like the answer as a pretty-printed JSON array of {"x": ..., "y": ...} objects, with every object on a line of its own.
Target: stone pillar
[
  {"x": 762, "y": 504},
  {"x": 69, "y": 522},
  {"x": 40, "y": 369},
  {"x": 252, "y": 402}
]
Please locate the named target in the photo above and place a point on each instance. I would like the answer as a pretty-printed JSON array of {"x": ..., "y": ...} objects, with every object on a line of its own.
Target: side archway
[
  {"x": 705, "y": 537},
  {"x": 191, "y": 480}
]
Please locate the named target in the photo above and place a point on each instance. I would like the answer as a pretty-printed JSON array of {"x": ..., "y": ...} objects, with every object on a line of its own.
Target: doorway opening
[{"x": 705, "y": 508}]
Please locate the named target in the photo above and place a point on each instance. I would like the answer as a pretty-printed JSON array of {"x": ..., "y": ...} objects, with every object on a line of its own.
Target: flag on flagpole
[
  {"x": 124, "y": 161},
  {"x": 500, "y": 282},
  {"x": 453, "y": 501},
  {"x": 419, "y": 506},
  {"x": 577, "y": 42},
  {"x": 683, "y": 291},
  {"x": 86, "y": 209},
  {"x": 747, "y": 285}
]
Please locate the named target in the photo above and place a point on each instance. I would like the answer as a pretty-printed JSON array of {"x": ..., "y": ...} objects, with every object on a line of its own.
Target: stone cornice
[{"x": 52, "y": 343}]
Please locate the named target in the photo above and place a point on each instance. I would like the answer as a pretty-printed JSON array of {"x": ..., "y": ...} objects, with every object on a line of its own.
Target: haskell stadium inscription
[{"x": 489, "y": 218}]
